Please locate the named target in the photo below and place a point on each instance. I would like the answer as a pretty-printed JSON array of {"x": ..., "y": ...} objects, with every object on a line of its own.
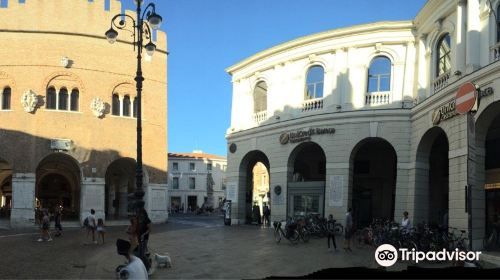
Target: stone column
[
  {"x": 402, "y": 188},
  {"x": 278, "y": 177},
  {"x": 423, "y": 71},
  {"x": 156, "y": 202},
  {"x": 473, "y": 35},
  {"x": 337, "y": 178},
  {"x": 92, "y": 197},
  {"x": 23, "y": 200},
  {"x": 461, "y": 35}
]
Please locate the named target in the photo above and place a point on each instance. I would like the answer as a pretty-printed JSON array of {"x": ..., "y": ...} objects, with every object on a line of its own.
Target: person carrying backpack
[{"x": 330, "y": 227}]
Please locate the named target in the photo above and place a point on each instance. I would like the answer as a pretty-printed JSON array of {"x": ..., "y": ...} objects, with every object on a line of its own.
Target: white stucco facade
[
  {"x": 183, "y": 196},
  {"x": 383, "y": 147}
]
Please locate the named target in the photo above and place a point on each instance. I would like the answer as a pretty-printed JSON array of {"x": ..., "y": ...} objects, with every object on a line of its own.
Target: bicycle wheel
[
  {"x": 339, "y": 229},
  {"x": 294, "y": 237},
  {"x": 305, "y": 236},
  {"x": 277, "y": 235}
]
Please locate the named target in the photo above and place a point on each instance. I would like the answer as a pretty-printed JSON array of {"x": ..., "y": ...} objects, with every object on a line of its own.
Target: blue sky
[{"x": 207, "y": 36}]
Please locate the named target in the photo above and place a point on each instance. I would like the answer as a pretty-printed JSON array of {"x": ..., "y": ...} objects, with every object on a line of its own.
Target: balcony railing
[
  {"x": 377, "y": 98},
  {"x": 260, "y": 116},
  {"x": 312, "y": 105},
  {"x": 441, "y": 81},
  {"x": 495, "y": 52}
]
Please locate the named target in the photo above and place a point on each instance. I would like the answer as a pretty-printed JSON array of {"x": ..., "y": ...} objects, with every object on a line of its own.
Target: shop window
[
  {"x": 6, "y": 96},
  {"x": 314, "y": 82},
  {"x": 379, "y": 74},
  {"x": 443, "y": 59}
]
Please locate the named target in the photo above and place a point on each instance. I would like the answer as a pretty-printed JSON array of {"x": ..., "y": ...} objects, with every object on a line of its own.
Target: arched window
[
  {"x": 314, "y": 82},
  {"x": 443, "y": 50},
  {"x": 75, "y": 98},
  {"x": 135, "y": 107},
  {"x": 126, "y": 106},
  {"x": 63, "y": 99},
  {"x": 6, "y": 98},
  {"x": 51, "y": 98},
  {"x": 379, "y": 74},
  {"x": 260, "y": 97},
  {"x": 115, "y": 105}
]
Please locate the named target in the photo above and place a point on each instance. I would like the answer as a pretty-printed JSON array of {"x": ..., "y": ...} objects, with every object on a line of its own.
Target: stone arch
[
  {"x": 431, "y": 176},
  {"x": 245, "y": 197},
  {"x": 62, "y": 76},
  {"x": 5, "y": 189},
  {"x": 306, "y": 177},
  {"x": 58, "y": 182},
  {"x": 372, "y": 180},
  {"x": 487, "y": 186},
  {"x": 120, "y": 180}
]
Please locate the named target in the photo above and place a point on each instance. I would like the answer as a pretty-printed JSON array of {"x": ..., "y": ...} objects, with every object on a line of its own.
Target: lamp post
[
  {"x": 145, "y": 21},
  {"x": 142, "y": 25}
]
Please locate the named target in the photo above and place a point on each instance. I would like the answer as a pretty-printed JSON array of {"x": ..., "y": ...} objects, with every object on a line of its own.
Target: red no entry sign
[{"x": 465, "y": 98}]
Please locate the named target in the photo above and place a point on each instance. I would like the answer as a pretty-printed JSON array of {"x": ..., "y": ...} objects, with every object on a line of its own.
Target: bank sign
[
  {"x": 303, "y": 135},
  {"x": 464, "y": 101}
]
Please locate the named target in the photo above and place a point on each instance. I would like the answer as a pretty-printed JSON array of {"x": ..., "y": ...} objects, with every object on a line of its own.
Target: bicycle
[{"x": 291, "y": 233}]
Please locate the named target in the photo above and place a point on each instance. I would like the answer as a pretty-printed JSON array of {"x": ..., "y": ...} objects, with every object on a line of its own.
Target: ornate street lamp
[{"x": 145, "y": 21}]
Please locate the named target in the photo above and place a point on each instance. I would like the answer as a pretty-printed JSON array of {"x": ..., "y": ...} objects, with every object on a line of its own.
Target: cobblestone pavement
[{"x": 200, "y": 247}]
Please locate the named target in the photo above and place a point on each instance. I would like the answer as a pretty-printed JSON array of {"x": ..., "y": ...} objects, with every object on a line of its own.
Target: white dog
[{"x": 163, "y": 260}]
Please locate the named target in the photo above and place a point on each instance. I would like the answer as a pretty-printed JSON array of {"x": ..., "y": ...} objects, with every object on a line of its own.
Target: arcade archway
[
  {"x": 58, "y": 179},
  {"x": 120, "y": 182},
  {"x": 432, "y": 182},
  {"x": 488, "y": 168},
  {"x": 373, "y": 165},
  {"x": 5, "y": 189},
  {"x": 254, "y": 176},
  {"x": 306, "y": 180}
]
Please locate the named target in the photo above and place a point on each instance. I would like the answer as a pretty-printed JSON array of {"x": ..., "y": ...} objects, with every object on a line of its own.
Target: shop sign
[
  {"x": 444, "y": 112},
  {"x": 303, "y": 135}
]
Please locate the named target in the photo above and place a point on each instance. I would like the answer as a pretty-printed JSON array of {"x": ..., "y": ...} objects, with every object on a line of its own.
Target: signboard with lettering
[
  {"x": 232, "y": 191},
  {"x": 303, "y": 135},
  {"x": 336, "y": 191}
]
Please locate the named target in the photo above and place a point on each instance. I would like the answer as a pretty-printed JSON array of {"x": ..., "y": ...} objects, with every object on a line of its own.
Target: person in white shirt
[
  {"x": 135, "y": 268},
  {"x": 405, "y": 223}
]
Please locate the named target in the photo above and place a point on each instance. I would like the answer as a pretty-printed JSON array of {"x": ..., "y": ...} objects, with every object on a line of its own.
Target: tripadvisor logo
[{"x": 386, "y": 255}]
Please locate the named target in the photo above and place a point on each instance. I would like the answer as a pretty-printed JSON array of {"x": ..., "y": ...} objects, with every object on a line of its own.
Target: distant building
[{"x": 189, "y": 177}]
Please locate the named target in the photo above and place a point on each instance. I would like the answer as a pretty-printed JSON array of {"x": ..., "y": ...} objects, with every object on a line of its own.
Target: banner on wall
[
  {"x": 336, "y": 191},
  {"x": 232, "y": 191}
]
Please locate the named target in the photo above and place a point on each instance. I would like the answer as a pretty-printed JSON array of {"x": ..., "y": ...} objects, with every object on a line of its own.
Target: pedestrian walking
[
  {"x": 57, "y": 220},
  {"x": 143, "y": 231},
  {"x": 330, "y": 226},
  {"x": 91, "y": 225},
  {"x": 100, "y": 229},
  {"x": 348, "y": 230},
  {"x": 267, "y": 213},
  {"x": 45, "y": 234}
]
